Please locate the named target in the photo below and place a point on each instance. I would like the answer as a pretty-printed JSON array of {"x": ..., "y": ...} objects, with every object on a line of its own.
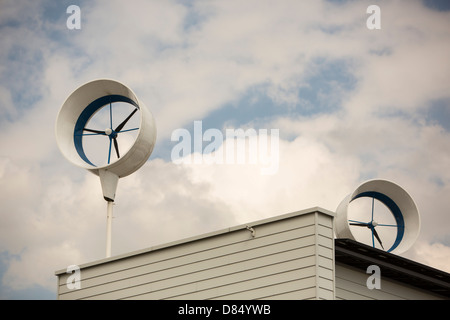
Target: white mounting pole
[
  {"x": 109, "y": 217},
  {"x": 109, "y": 182}
]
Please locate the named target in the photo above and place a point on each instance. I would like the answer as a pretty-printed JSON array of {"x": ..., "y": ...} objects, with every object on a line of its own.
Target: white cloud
[
  {"x": 307, "y": 170},
  {"x": 436, "y": 255},
  {"x": 36, "y": 266}
]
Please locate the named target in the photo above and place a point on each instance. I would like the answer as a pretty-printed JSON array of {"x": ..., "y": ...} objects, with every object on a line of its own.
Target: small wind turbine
[{"x": 97, "y": 118}]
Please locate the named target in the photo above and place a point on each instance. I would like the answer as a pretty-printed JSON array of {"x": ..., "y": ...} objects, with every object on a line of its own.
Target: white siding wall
[
  {"x": 351, "y": 285},
  {"x": 291, "y": 257}
]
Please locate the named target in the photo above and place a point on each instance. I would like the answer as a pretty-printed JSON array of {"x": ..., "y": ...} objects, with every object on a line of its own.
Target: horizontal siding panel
[
  {"x": 201, "y": 282},
  {"x": 203, "y": 288},
  {"x": 267, "y": 254},
  {"x": 326, "y": 232},
  {"x": 325, "y": 220},
  {"x": 325, "y": 273},
  {"x": 325, "y": 242},
  {"x": 302, "y": 225},
  {"x": 325, "y": 283},
  {"x": 159, "y": 281},
  {"x": 169, "y": 268},
  {"x": 279, "y": 288},
  {"x": 284, "y": 293},
  {"x": 299, "y": 235},
  {"x": 349, "y": 290},
  {"x": 155, "y": 255},
  {"x": 325, "y": 258},
  {"x": 355, "y": 281},
  {"x": 351, "y": 285},
  {"x": 325, "y": 252},
  {"x": 304, "y": 269},
  {"x": 325, "y": 294},
  {"x": 252, "y": 288},
  {"x": 325, "y": 262}
]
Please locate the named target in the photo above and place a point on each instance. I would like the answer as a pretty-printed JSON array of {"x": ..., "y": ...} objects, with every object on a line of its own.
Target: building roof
[{"x": 409, "y": 272}]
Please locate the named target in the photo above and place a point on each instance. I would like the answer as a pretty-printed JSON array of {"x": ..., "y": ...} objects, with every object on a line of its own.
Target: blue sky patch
[{"x": 439, "y": 112}]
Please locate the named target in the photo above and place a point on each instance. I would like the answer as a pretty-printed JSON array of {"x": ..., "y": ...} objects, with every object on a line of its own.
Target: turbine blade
[
  {"x": 359, "y": 224},
  {"x": 116, "y": 146},
  {"x": 109, "y": 152},
  {"x": 124, "y": 122},
  {"x": 375, "y": 233},
  {"x": 94, "y": 131}
]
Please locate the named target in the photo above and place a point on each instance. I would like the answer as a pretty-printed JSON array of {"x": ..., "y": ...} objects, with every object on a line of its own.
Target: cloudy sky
[{"x": 350, "y": 104}]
